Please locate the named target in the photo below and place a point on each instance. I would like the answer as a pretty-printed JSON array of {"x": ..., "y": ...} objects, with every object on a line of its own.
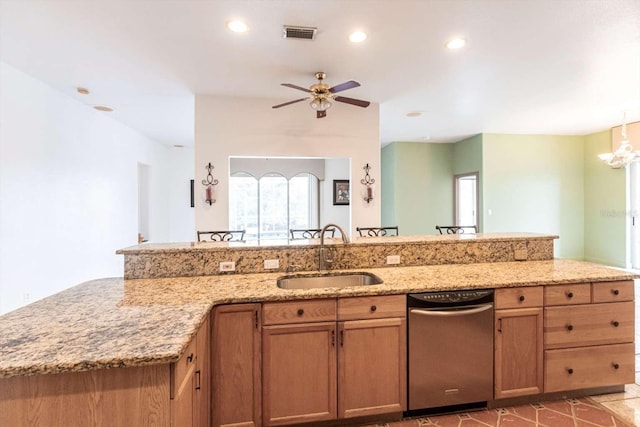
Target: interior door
[{"x": 466, "y": 199}]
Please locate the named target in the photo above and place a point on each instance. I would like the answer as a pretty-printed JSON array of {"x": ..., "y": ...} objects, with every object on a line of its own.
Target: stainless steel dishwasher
[{"x": 450, "y": 349}]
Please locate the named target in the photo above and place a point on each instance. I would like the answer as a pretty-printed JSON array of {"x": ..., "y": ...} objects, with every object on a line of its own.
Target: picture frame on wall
[{"x": 341, "y": 192}]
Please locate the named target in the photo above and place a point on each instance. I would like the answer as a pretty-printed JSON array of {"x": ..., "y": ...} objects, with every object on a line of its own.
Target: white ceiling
[{"x": 530, "y": 66}]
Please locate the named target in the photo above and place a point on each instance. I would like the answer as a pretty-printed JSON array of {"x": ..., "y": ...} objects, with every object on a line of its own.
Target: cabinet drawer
[
  {"x": 518, "y": 297},
  {"x": 621, "y": 290},
  {"x": 182, "y": 370},
  {"x": 586, "y": 367},
  {"x": 576, "y": 293},
  {"x": 372, "y": 307},
  {"x": 589, "y": 324},
  {"x": 279, "y": 313}
]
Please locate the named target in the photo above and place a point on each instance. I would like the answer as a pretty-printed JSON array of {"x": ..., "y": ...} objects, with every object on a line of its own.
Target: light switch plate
[
  {"x": 393, "y": 259},
  {"x": 270, "y": 264}
]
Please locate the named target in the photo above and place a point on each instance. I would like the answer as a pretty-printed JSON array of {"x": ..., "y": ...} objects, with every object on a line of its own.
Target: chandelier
[{"x": 624, "y": 154}]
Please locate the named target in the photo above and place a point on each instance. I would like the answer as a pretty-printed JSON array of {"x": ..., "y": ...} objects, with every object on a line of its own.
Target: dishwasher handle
[{"x": 452, "y": 313}]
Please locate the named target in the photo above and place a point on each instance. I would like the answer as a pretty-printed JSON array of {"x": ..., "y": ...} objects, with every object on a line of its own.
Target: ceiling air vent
[{"x": 304, "y": 33}]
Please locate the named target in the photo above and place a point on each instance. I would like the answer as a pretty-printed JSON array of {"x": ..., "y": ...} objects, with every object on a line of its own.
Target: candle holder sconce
[
  {"x": 368, "y": 183},
  {"x": 209, "y": 182}
]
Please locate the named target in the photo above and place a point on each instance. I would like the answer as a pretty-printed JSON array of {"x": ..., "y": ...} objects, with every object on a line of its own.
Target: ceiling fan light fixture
[
  {"x": 237, "y": 26},
  {"x": 319, "y": 104}
]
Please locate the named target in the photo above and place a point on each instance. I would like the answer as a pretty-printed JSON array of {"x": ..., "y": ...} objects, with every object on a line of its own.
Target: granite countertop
[
  {"x": 283, "y": 243},
  {"x": 113, "y": 322}
]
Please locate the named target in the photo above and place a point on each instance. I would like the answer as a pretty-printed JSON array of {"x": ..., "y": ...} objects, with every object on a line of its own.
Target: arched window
[{"x": 268, "y": 207}]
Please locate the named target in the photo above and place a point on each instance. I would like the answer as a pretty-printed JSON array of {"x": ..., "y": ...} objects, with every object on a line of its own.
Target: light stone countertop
[{"x": 114, "y": 322}]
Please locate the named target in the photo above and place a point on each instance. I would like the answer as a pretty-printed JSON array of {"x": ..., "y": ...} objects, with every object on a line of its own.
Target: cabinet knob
[
  {"x": 569, "y": 327},
  {"x": 373, "y": 308},
  {"x": 569, "y": 294},
  {"x": 300, "y": 312},
  {"x": 615, "y": 323},
  {"x": 521, "y": 298},
  {"x": 615, "y": 366},
  {"x": 615, "y": 291},
  {"x": 570, "y": 371}
]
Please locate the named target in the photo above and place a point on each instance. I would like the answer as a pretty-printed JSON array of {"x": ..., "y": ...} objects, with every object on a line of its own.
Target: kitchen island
[{"x": 150, "y": 324}]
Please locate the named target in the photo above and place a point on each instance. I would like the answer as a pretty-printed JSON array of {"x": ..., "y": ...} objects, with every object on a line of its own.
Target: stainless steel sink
[{"x": 330, "y": 280}]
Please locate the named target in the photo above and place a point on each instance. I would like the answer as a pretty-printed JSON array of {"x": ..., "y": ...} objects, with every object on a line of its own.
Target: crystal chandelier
[{"x": 624, "y": 154}]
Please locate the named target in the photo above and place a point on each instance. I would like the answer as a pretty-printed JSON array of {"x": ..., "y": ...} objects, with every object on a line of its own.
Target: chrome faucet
[{"x": 322, "y": 262}]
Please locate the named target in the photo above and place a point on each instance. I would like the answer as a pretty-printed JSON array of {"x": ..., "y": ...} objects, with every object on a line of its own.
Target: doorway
[{"x": 465, "y": 199}]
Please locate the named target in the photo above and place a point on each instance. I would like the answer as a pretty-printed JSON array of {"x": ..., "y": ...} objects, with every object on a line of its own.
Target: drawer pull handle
[
  {"x": 615, "y": 366},
  {"x": 570, "y": 371},
  {"x": 569, "y": 294},
  {"x": 615, "y": 291},
  {"x": 190, "y": 358},
  {"x": 521, "y": 298},
  {"x": 569, "y": 327},
  {"x": 300, "y": 312},
  {"x": 615, "y": 323},
  {"x": 373, "y": 308}
]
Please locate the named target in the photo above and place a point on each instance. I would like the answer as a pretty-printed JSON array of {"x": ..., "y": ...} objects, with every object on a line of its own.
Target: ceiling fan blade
[
  {"x": 321, "y": 114},
  {"x": 289, "y": 103},
  {"x": 358, "y": 102},
  {"x": 344, "y": 86},
  {"x": 304, "y": 89}
]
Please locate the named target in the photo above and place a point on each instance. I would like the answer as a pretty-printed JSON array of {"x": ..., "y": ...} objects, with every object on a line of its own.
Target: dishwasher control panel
[{"x": 451, "y": 297}]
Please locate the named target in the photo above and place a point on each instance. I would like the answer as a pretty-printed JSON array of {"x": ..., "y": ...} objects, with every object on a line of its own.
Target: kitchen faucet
[{"x": 322, "y": 262}]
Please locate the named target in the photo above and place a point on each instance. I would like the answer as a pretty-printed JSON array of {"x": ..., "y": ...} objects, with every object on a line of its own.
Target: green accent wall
[
  {"x": 467, "y": 158},
  {"x": 605, "y": 207},
  {"x": 418, "y": 186},
  {"x": 534, "y": 183}
]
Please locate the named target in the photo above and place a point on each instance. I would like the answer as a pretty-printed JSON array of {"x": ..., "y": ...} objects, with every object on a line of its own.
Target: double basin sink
[{"x": 328, "y": 280}]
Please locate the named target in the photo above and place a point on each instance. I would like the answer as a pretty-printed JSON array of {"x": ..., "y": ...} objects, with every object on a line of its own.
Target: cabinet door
[
  {"x": 236, "y": 373},
  {"x": 299, "y": 373},
  {"x": 202, "y": 377},
  {"x": 519, "y": 353},
  {"x": 372, "y": 367}
]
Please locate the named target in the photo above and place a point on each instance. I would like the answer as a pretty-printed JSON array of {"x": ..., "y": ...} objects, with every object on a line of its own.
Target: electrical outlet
[
  {"x": 228, "y": 266},
  {"x": 270, "y": 264},
  {"x": 520, "y": 254},
  {"x": 393, "y": 259}
]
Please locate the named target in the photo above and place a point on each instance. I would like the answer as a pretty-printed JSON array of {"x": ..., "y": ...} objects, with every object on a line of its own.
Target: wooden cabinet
[
  {"x": 236, "y": 377},
  {"x": 518, "y": 342},
  {"x": 189, "y": 385},
  {"x": 317, "y": 369},
  {"x": 371, "y": 355},
  {"x": 590, "y": 344},
  {"x": 160, "y": 395}
]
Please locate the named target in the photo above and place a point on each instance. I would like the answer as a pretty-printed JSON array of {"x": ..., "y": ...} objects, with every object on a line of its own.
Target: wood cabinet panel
[
  {"x": 236, "y": 360},
  {"x": 372, "y": 367},
  {"x": 523, "y": 297},
  {"x": 585, "y": 367},
  {"x": 123, "y": 397},
  {"x": 281, "y": 313},
  {"x": 621, "y": 290},
  {"x": 299, "y": 372},
  {"x": 588, "y": 324},
  {"x": 182, "y": 371},
  {"x": 519, "y": 352},
  {"x": 576, "y": 293},
  {"x": 373, "y": 307}
]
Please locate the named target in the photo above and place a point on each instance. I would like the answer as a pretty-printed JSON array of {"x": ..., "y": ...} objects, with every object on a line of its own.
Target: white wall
[
  {"x": 337, "y": 214},
  {"x": 231, "y": 126},
  {"x": 68, "y": 190},
  {"x": 181, "y": 215}
]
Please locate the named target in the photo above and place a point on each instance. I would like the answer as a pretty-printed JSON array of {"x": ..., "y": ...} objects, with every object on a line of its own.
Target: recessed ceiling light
[
  {"x": 456, "y": 43},
  {"x": 103, "y": 108},
  {"x": 414, "y": 114},
  {"x": 357, "y": 36},
  {"x": 83, "y": 91},
  {"x": 237, "y": 26}
]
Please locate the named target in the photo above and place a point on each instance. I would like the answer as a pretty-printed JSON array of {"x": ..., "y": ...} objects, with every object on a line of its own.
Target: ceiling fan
[{"x": 322, "y": 95}]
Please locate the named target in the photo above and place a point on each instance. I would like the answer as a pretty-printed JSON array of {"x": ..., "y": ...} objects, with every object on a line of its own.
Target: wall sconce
[
  {"x": 368, "y": 183},
  {"x": 209, "y": 182}
]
